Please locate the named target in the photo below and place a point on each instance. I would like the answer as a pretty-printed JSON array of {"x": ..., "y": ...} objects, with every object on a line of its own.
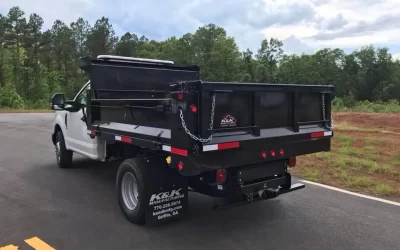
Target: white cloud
[{"x": 304, "y": 24}]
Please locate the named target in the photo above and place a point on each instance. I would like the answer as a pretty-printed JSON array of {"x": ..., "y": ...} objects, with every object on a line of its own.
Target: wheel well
[{"x": 56, "y": 129}]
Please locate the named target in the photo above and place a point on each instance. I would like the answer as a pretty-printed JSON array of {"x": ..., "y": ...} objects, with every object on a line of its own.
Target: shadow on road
[{"x": 92, "y": 184}]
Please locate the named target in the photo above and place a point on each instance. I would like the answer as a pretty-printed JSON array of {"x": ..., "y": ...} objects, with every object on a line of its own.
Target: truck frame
[{"x": 174, "y": 133}]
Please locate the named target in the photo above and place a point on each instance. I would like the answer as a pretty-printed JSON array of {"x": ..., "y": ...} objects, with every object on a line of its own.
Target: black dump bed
[{"x": 206, "y": 125}]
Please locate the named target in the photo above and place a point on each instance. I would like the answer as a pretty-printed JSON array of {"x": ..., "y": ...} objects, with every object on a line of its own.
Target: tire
[
  {"x": 130, "y": 177},
  {"x": 64, "y": 156}
]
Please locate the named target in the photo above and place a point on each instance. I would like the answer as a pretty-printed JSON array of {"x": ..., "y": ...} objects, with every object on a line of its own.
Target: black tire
[
  {"x": 64, "y": 156},
  {"x": 135, "y": 168}
]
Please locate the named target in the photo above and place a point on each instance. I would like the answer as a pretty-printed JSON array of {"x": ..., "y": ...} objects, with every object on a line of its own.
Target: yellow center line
[
  {"x": 9, "y": 247},
  {"x": 38, "y": 244}
]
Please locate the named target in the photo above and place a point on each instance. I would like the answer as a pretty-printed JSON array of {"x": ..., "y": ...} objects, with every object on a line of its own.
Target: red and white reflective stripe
[
  {"x": 321, "y": 134},
  {"x": 123, "y": 139},
  {"x": 221, "y": 146},
  {"x": 176, "y": 151}
]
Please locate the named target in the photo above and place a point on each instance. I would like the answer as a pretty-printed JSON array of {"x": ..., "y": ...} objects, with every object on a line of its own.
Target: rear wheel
[
  {"x": 130, "y": 190},
  {"x": 64, "y": 156}
]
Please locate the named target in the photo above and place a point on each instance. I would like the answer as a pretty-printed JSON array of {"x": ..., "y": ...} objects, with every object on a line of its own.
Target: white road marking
[{"x": 352, "y": 193}]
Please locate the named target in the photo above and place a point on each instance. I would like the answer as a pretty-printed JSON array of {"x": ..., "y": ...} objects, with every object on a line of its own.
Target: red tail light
[
  {"x": 180, "y": 166},
  {"x": 193, "y": 108},
  {"x": 281, "y": 151},
  {"x": 317, "y": 134},
  {"x": 221, "y": 176},
  {"x": 264, "y": 154},
  {"x": 272, "y": 153},
  {"x": 292, "y": 162},
  {"x": 180, "y": 96}
]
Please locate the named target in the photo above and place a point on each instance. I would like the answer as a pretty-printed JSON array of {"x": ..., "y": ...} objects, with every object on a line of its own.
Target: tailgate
[{"x": 259, "y": 110}]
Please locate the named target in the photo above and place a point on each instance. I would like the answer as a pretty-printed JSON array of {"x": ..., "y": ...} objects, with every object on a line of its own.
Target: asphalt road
[{"x": 77, "y": 208}]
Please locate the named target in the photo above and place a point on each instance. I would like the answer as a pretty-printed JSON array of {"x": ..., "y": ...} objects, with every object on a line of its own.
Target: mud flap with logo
[{"x": 166, "y": 191}]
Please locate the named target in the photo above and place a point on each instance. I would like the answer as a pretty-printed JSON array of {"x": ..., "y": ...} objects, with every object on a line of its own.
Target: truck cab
[{"x": 70, "y": 126}]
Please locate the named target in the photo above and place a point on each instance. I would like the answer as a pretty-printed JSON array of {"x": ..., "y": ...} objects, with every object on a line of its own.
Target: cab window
[{"x": 82, "y": 97}]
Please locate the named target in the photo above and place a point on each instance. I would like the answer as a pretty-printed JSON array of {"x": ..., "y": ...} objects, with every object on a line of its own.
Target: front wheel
[
  {"x": 130, "y": 190},
  {"x": 64, "y": 156}
]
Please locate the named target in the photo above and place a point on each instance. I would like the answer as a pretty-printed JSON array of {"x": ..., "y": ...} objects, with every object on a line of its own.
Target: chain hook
[{"x": 187, "y": 131}]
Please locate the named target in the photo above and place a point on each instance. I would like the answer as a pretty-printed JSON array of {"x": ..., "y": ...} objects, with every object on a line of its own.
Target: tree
[
  {"x": 101, "y": 38},
  {"x": 216, "y": 53},
  {"x": 128, "y": 45},
  {"x": 15, "y": 26},
  {"x": 79, "y": 32},
  {"x": 2, "y": 49},
  {"x": 269, "y": 55},
  {"x": 36, "y": 63},
  {"x": 32, "y": 47}
]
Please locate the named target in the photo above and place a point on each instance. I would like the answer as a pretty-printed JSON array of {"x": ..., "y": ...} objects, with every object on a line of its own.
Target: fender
[{"x": 60, "y": 119}]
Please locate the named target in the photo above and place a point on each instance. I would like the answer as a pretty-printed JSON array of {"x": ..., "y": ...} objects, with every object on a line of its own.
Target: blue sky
[{"x": 303, "y": 25}]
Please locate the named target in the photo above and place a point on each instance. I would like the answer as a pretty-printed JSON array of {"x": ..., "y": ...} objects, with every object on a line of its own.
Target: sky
[{"x": 303, "y": 25}]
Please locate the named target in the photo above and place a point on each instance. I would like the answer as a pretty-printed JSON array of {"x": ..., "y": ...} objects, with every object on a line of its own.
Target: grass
[
  {"x": 352, "y": 128},
  {"x": 346, "y": 105},
  {"x": 384, "y": 189},
  {"x": 312, "y": 174},
  {"x": 366, "y": 162},
  {"x": 10, "y": 110}
]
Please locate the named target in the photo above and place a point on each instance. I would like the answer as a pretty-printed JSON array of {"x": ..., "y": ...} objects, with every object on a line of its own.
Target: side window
[{"x": 82, "y": 98}]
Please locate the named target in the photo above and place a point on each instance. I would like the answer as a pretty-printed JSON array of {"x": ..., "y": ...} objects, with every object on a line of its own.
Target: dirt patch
[
  {"x": 388, "y": 122},
  {"x": 364, "y": 158}
]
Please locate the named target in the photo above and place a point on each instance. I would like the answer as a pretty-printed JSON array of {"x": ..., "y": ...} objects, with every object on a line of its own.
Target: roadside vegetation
[
  {"x": 35, "y": 63},
  {"x": 350, "y": 104},
  {"x": 365, "y": 155}
]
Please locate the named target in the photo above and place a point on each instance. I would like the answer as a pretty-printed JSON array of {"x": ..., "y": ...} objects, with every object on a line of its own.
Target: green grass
[
  {"x": 395, "y": 160},
  {"x": 357, "y": 163},
  {"x": 341, "y": 105},
  {"x": 344, "y": 139},
  {"x": 347, "y": 150},
  {"x": 361, "y": 182},
  {"x": 312, "y": 174},
  {"x": 10, "y": 110},
  {"x": 384, "y": 189},
  {"x": 348, "y": 127}
]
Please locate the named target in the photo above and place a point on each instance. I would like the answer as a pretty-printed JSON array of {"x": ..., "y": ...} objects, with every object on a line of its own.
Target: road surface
[{"x": 77, "y": 208}]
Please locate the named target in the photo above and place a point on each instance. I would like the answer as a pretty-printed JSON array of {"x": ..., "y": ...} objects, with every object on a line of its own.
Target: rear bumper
[
  {"x": 249, "y": 153},
  {"x": 267, "y": 194}
]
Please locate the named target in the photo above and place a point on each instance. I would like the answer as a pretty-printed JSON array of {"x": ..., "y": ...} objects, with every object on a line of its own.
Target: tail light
[
  {"x": 221, "y": 176},
  {"x": 272, "y": 153},
  {"x": 264, "y": 154},
  {"x": 281, "y": 151},
  {"x": 193, "y": 108},
  {"x": 180, "y": 166},
  {"x": 292, "y": 162},
  {"x": 180, "y": 96}
]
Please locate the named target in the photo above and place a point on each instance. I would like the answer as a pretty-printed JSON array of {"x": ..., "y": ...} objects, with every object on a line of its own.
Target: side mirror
[{"x": 58, "y": 101}]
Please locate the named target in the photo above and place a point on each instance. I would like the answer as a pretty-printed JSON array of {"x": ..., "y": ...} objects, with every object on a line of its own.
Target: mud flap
[{"x": 166, "y": 192}]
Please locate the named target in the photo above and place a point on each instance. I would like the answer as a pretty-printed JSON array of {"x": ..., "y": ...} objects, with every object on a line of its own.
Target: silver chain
[
  {"x": 211, "y": 123},
  {"x": 324, "y": 114}
]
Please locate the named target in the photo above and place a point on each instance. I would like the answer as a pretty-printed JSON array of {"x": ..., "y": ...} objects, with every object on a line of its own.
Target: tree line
[{"x": 35, "y": 63}]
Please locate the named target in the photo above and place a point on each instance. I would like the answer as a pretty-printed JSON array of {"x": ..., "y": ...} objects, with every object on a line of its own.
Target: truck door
[{"x": 77, "y": 134}]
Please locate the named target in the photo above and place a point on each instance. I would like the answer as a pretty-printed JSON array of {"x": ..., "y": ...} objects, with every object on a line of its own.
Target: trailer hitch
[{"x": 250, "y": 197}]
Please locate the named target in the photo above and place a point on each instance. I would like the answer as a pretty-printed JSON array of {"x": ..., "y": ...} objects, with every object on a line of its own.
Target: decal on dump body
[{"x": 228, "y": 121}]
